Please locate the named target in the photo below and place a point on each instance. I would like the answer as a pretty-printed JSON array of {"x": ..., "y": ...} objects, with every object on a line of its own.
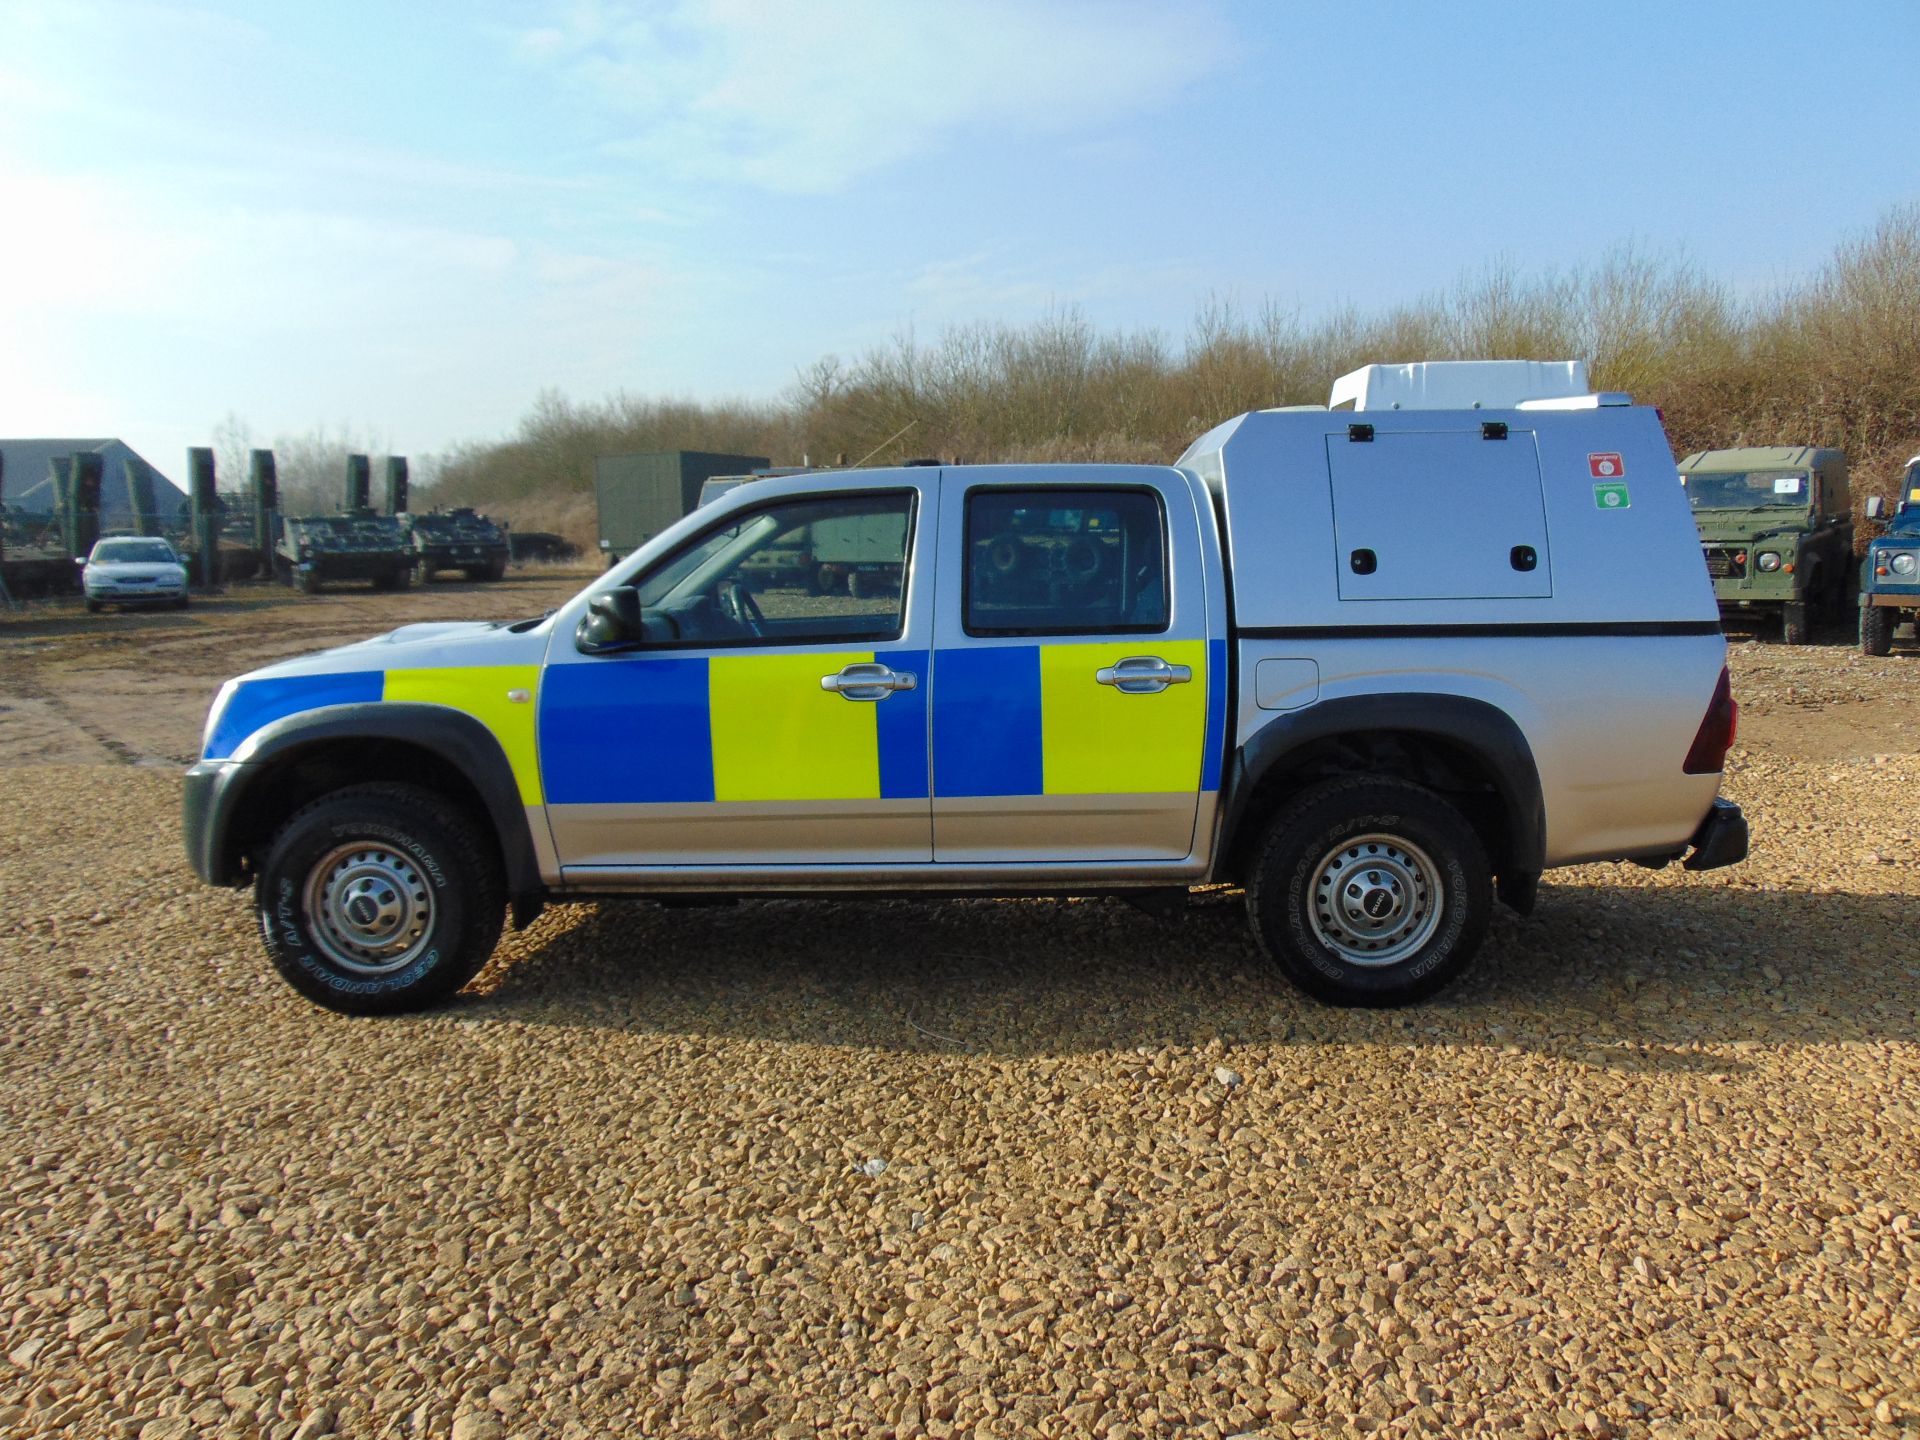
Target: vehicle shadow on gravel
[{"x": 1626, "y": 978}]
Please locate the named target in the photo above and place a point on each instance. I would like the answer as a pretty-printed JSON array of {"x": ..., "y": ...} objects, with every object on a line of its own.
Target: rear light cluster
[{"x": 1717, "y": 728}]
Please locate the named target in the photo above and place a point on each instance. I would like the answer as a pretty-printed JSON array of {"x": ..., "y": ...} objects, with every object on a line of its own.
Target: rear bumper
[{"x": 1720, "y": 840}]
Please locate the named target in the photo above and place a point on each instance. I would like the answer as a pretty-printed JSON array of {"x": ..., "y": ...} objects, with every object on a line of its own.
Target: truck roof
[{"x": 1762, "y": 457}]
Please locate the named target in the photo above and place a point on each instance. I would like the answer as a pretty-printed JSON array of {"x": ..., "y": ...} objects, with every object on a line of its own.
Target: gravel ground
[{"x": 960, "y": 1169}]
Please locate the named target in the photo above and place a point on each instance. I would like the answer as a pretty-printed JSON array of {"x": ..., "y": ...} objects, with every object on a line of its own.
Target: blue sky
[{"x": 406, "y": 220}]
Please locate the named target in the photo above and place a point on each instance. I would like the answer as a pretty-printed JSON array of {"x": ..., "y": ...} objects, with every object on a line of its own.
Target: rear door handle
[
  {"x": 1143, "y": 675},
  {"x": 869, "y": 681}
]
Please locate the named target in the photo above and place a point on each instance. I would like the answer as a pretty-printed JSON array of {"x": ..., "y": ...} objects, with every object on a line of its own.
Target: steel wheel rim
[
  {"x": 1375, "y": 900},
  {"x": 370, "y": 909}
]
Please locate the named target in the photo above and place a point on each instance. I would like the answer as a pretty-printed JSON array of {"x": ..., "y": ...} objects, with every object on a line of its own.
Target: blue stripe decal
[
  {"x": 1210, "y": 759},
  {"x": 258, "y": 703},
  {"x": 902, "y": 722},
  {"x": 617, "y": 732},
  {"x": 986, "y": 721}
]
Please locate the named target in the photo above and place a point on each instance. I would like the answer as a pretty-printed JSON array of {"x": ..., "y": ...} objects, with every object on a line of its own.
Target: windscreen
[
  {"x": 1748, "y": 490},
  {"x": 134, "y": 552}
]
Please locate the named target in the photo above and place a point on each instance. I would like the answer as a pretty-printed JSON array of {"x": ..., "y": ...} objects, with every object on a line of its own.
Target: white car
[{"x": 133, "y": 570}]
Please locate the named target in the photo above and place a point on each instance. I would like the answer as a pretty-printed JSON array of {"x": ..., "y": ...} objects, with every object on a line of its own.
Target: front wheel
[
  {"x": 1876, "y": 630},
  {"x": 379, "y": 898},
  {"x": 1370, "y": 892},
  {"x": 1795, "y": 626}
]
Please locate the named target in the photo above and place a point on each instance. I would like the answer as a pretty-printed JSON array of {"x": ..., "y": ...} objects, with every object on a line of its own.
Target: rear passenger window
[{"x": 1065, "y": 562}]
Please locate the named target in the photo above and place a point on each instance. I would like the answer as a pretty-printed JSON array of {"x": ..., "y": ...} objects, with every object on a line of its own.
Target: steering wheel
[{"x": 741, "y": 608}]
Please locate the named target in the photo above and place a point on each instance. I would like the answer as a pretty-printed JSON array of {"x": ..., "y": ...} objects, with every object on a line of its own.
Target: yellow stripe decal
[
  {"x": 1097, "y": 741},
  {"x": 778, "y": 736},
  {"x": 481, "y": 691}
]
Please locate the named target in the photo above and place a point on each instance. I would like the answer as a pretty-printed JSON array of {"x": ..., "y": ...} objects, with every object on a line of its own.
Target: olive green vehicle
[{"x": 1776, "y": 524}]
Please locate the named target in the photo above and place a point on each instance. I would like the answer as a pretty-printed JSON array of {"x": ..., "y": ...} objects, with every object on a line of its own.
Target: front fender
[{"x": 217, "y": 791}]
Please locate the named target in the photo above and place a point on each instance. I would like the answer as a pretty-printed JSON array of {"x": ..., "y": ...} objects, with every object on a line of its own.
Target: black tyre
[
  {"x": 1370, "y": 892},
  {"x": 379, "y": 898},
  {"x": 1876, "y": 630},
  {"x": 93, "y": 607},
  {"x": 183, "y": 602},
  {"x": 309, "y": 582},
  {"x": 1795, "y": 627}
]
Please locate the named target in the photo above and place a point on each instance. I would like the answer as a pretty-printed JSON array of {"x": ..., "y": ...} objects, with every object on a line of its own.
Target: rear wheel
[
  {"x": 93, "y": 607},
  {"x": 1876, "y": 630},
  {"x": 1370, "y": 892},
  {"x": 309, "y": 582},
  {"x": 379, "y": 898}
]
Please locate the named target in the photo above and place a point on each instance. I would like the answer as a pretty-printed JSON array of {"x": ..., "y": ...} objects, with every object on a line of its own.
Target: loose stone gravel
[{"x": 984, "y": 1169}]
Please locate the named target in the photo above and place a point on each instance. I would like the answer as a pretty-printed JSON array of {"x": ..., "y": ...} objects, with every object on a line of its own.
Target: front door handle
[
  {"x": 1143, "y": 675},
  {"x": 868, "y": 681}
]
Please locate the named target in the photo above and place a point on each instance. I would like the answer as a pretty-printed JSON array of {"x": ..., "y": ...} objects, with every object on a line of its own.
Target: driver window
[{"x": 804, "y": 572}]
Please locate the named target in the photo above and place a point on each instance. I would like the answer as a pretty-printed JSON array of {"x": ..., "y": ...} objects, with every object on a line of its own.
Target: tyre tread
[
  {"x": 484, "y": 901},
  {"x": 1287, "y": 829}
]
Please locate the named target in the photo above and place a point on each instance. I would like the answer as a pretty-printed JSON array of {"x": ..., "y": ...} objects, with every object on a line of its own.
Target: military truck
[
  {"x": 458, "y": 539},
  {"x": 313, "y": 550},
  {"x": 1890, "y": 575},
  {"x": 1776, "y": 525},
  {"x": 639, "y": 496}
]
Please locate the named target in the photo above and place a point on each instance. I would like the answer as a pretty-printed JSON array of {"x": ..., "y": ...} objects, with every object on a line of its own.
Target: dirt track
[{"x": 987, "y": 1169}]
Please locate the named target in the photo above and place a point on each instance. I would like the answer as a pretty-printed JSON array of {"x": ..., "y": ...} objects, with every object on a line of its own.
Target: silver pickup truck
[{"x": 1379, "y": 663}]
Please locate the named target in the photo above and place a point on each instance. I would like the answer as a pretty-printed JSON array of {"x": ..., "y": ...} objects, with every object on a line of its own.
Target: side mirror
[
  {"x": 1876, "y": 507},
  {"x": 612, "y": 621}
]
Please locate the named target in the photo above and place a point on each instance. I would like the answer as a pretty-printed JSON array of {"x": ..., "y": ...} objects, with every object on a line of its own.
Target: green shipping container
[{"x": 641, "y": 495}]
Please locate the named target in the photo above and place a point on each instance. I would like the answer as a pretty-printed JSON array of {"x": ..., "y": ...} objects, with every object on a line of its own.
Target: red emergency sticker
[{"x": 1606, "y": 466}]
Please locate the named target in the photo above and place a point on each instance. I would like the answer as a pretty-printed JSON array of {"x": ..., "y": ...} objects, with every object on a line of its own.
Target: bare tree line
[{"x": 1833, "y": 359}]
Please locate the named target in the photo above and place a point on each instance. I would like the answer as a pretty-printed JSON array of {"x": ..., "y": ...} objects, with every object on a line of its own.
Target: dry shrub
[{"x": 1834, "y": 360}]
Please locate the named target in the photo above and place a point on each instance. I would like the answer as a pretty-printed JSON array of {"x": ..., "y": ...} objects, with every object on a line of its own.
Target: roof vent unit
[{"x": 1468, "y": 385}]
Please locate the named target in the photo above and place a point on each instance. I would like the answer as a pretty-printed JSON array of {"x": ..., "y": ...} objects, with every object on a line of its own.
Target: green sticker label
[{"x": 1611, "y": 497}]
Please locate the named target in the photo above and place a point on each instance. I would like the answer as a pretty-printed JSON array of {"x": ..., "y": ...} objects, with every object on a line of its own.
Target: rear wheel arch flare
[{"x": 1407, "y": 735}]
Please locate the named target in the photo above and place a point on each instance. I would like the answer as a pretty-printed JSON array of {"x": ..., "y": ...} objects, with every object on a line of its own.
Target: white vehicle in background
[{"x": 134, "y": 570}]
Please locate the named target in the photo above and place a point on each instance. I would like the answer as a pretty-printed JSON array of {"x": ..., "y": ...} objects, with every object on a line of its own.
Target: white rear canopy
[{"x": 1463, "y": 385}]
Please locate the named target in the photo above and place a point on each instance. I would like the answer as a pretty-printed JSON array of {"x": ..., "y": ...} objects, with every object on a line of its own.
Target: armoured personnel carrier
[
  {"x": 361, "y": 544},
  {"x": 313, "y": 550},
  {"x": 458, "y": 539}
]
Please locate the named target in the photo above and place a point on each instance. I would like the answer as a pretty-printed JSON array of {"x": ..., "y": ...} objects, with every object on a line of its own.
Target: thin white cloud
[{"x": 810, "y": 98}]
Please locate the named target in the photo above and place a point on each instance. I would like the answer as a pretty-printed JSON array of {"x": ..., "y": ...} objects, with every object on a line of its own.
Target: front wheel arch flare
[{"x": 450, "y": 737}]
